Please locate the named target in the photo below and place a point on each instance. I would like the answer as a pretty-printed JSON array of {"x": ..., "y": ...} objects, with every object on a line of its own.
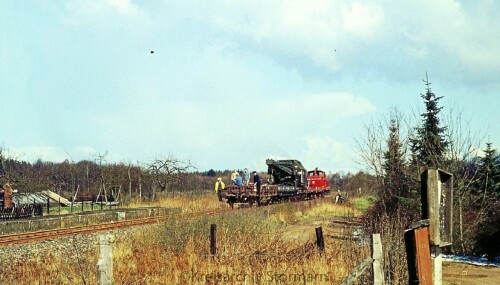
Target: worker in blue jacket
[{"x": 239, "y": 180}]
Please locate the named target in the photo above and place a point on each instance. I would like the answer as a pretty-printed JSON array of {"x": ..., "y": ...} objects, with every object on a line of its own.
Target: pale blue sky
[{"x": 231, "y": 83}]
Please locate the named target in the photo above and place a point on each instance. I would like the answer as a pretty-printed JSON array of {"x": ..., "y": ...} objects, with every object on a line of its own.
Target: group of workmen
[{"x": 238, "y": 179}]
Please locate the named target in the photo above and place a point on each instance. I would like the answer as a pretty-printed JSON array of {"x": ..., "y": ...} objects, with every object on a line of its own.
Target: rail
[{"x": 28, "y": 237}]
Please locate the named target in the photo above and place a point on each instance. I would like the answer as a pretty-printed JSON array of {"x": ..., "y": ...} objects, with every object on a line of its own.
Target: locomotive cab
[{"x": 317, "y": 180}]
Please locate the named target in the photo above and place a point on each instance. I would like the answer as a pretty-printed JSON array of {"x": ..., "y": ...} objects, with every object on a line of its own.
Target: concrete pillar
[
  {"x": 437, "y": 263},
  {"x": 105, "y": 263},
  {"x": 121, "y": 216},
  {"x": 378, "y": 260}
]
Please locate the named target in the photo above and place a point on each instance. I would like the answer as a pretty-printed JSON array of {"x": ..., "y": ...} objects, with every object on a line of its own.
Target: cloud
[
  {"x": 360, "y": 39},
  {"x": 246, "y": 128},
  {"x": 310, "y": 113},
  {"x": 327, "y": 153},
  {"x": 329, "y": 39},
  {"x": 102, "y": 7},
  {"x": 124, "y": 6},
  {"x": 105, "y": 14},
  {"x": 291, "y": 28},
  {"x": 362, "y": 20}
]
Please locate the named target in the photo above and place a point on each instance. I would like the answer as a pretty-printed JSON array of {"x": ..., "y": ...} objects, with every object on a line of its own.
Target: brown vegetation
[{"x": 251, "y": 246}]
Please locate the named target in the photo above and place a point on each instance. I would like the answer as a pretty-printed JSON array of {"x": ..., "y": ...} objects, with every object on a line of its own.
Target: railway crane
[{"x": 287, "y": 180}]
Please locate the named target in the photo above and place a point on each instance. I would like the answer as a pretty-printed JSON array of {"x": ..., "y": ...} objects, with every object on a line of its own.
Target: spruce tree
[
  {"x": 394, "y": 165},
  {"x": 487, "y": 185},
  {"x": 429, "y": 144},
  {"x": 487, "y": 190}
]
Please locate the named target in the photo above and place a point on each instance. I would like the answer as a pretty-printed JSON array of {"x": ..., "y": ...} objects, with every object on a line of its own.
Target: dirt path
[{"x": 466, "y": 274}]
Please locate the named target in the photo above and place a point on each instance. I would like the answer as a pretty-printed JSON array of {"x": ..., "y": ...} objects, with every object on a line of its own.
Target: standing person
[
  {"x": 233, "y": 176},
  {"x": 246, "y": 176},
  {"x": 338, "y": 198},
  {"x": 297, "y": 179},
  {"x": 219, "y": 186},
  {"x": 256, "y": 182}
]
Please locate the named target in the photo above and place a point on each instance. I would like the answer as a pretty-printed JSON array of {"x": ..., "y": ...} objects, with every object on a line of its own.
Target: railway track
[
  {"x": 35, "y": 236},
  {"x": 28, "y": 237}
]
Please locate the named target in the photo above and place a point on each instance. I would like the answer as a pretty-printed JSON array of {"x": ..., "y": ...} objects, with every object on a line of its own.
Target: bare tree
[
  {"x": 100, "y": 159},
  {"x": 372, "y": 144},
  {"x": 371, "y": 148},
  {"x": 166, "y": 171},
  {"x": 4, "y": 174},
  {"x": 463, "y": 147}
]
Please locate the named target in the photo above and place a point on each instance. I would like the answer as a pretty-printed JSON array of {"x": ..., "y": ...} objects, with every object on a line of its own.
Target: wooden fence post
[
  {"x": 320, "y": 242},
  {"x": 378, "y": 260},
  {"x": 213, "y": 239},
  {"x": 105, "y": 263}
]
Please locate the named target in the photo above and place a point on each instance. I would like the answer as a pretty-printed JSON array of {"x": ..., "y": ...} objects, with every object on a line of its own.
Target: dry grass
[
  {"x": 187, "y": 202},
  {"x": 328, "y": 210},
  {"x": 251, "y": 250}
]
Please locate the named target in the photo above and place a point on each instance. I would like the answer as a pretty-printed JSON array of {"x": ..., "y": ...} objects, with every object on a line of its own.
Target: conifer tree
[
  {"x": 429, "y": 144},
  {"x": 487, "y": 188},
  {"x": 487, "y": 185},
  {"x": 394, "y": 165}
]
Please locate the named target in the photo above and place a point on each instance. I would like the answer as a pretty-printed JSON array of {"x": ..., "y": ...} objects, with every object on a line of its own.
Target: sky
[{"x": 227, "y": 84}]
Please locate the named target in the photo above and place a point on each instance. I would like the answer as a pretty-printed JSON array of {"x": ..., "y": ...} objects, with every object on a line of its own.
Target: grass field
[
  {"x": 267, "y": 245},
  {"x": 363, "y": 203},
  {"x": 253, "y": 247}
]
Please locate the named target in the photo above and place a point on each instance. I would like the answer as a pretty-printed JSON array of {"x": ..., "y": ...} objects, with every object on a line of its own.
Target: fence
[
  {"x": 25, "y": 211},
  {"x": 98, "y": 205},
  {"x": 375, "y": 260},
  {"x": 105, "y": 262}
]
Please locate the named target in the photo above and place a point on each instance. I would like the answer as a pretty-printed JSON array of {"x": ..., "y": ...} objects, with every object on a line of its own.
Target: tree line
[{"x": 163, "y": 175}]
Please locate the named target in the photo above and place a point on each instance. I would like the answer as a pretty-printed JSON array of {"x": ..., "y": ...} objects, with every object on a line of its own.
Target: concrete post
[
  {"x": 378, "y": 259},
  {"x": 437, "y": 262},
  {"x": 105, "y": 263},
  {"x": 437, "y": 208}
]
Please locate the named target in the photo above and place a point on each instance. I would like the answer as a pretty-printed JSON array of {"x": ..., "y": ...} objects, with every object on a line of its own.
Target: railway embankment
[{"x": 81, "y": 219}]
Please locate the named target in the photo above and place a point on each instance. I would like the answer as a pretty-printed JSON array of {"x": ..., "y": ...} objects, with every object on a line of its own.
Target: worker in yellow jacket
[{"x": 219, "y": 185}]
